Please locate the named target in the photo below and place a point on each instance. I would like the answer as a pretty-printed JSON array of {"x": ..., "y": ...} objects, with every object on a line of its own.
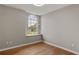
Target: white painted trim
[
  {"x": 38, "y": 42},
  {"x": 20, "y": 45},
  {"x": 61, "y": 47}
]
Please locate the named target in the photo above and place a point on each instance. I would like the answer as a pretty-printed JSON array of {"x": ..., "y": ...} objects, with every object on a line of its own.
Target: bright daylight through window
[{"x": 32, "y": 25}]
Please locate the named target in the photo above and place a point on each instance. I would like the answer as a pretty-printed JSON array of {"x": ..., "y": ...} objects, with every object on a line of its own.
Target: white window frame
[{"x": 38, "y": 26}]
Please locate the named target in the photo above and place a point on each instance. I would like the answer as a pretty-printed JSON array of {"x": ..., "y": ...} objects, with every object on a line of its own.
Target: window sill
[{"x": 33, "y": 35}]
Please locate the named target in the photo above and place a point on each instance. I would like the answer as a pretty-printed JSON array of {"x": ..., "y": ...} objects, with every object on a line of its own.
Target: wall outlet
[
  {"x": 9, "y": 42},
  {"x": 72, "y": 45}
]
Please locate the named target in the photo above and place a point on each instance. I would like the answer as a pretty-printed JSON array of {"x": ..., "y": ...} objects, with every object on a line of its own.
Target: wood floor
[{"x": 36, "y": 49}]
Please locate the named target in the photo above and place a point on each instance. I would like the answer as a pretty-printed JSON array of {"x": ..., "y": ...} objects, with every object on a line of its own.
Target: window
[{"x": 33, "y": 27}]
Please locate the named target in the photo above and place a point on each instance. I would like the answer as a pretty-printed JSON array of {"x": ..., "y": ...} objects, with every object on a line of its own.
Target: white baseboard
[
  {"x": 38, "y": 42},
  {"x": 20, "y": 45},
  {"x": 61, "y": 47}
]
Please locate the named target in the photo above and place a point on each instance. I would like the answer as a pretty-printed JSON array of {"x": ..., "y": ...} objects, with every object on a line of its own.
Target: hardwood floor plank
[{"x": 36, "y": 49}]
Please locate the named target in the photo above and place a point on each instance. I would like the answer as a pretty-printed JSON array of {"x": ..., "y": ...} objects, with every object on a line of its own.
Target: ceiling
[{"x": 38, "y": 10}]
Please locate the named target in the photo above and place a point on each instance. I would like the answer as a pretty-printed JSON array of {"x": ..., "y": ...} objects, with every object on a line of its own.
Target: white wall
[
  {"x": 12, "y": 27},
  {"x": 62, "y": 27}
]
